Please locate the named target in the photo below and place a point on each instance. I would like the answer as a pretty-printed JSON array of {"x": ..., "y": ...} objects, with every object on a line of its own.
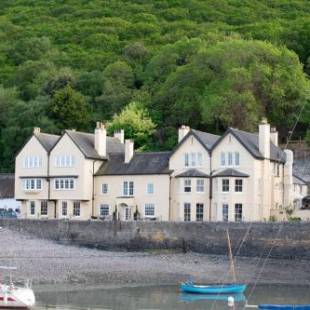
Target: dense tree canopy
[{"x": 209, "y": 64}]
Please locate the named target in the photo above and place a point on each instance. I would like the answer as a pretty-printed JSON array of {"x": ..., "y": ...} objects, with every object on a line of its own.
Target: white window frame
[
  {"x": 187, "y": 183},
  {"x": 32, "y": 207},
  {"x": 64, "y": 161},
  {"x": 150, "y": 188},
  {"x": 230, "y": 159},
  {"x": 186, "y": 160},
  {"x": 33, "y": 184},
  {"x": 187, "y": 216},
  {"x": 238, "y": 187},
  {"x": 237, "y": 159},
  {"x": 31, "y": 162},
  {"x": 128, "y": 188},
  {"x": 223, "y": 159},
  {"x": 64, "y": 206},
  {"x": 105, "y": 207},
  {"x": 237, "y": 214},
  {"x": 64, "y": 184},
  {"x": 199, "y": 207},
  {"x": 200, "y": 188},
  {"x": 149, "y": 210},
  {"x": 224, "y": 207},
  {"x": 223, "y": 185},
  {"x": 76, "y": 204},
  {"x": 45, "y": 207}
]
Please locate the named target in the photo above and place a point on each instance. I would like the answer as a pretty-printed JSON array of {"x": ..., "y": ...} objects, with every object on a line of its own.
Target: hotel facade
[{"x": 239, "y": 176}]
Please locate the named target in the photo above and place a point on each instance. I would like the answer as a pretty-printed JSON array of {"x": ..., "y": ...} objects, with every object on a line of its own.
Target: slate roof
[
  {"x": 7, "y": 184},
  {"x": 192, "y": 173},
  {"x": 141, "y": 163},
  {"x": 298, "y": 180},
  {"x": 86, "y": 143},
  {"x": 207, "y": 139},
  {"x": 301, "y": 169},
  {"x": 47, "y": 140},
  {"x": 251, "y": 143},
  {"x": 231, "y": 173}
]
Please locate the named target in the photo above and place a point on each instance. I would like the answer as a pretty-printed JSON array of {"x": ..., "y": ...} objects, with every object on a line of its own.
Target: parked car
[{"x": 11, "y": 214}]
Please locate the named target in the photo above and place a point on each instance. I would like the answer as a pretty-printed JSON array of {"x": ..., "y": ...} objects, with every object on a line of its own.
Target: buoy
[{"x": 231, "y": 301}]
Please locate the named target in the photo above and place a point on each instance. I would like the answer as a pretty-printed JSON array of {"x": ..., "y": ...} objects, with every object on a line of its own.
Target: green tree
[
  {"x": 69, "y": 109},
  {"x": 136, "y": 122}
]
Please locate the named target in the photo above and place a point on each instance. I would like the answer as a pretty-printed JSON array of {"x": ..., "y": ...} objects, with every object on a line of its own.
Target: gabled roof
[
  {"x": 230, "y": 173},
  {"x": 301, "y": 169},
  {"x": 298, "y": 180},
  {"x": 251, "y": 142},
  {"x": 48, "y": 141},
  {"x": 207, "y": 140},
  {"x": 192, "y": 173},
  {"x": 86, "y": 143},
  {"x": 140, "y": 164},
  {"x": 7, "y": 184}
]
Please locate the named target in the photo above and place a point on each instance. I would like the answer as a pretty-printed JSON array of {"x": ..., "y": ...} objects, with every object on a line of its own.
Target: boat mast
[{"x": 232, "y": 264}]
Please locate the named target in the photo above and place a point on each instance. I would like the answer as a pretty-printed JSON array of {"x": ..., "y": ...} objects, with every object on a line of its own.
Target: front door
[{"x": 127, "y": 214}]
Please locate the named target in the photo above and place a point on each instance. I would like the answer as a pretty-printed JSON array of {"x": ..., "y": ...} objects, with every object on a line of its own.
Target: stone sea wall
[{"x": 282, "y": 240}]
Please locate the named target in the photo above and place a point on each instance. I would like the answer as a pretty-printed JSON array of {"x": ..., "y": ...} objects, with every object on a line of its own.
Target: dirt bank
[{"x": 46, "y": 262}]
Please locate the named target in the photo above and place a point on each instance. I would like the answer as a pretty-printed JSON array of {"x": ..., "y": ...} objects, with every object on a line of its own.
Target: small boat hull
[
  {"x": 284, "y": 307},
  {"x": 192, "y": 288},
  {"x": 218, "y": 297}
]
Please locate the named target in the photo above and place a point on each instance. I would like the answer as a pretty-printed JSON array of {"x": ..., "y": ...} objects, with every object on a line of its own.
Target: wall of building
[
  {"x": 287, "y": 240},
  {"x": 114, "y": 196}
]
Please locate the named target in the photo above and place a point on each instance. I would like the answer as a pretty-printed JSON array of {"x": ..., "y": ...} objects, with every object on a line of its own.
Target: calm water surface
[{"x": 164, "y": 297}]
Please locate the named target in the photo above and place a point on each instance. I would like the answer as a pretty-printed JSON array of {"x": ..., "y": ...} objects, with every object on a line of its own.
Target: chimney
[
  {"x": 119, "y": 134},
  {"x": 288, "y": 178},
  {"x": 274, "y": 137},
  {"x": 36, "y": 130},
  {"x": 183, "y": 131},
  {"x": 101, "y": 139},
  {"x": 264, "y": 138},
  {"x": 129, "y": 150}
]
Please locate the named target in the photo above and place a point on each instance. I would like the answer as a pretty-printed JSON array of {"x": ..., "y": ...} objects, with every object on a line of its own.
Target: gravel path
[{"x": 46, "y": 262}]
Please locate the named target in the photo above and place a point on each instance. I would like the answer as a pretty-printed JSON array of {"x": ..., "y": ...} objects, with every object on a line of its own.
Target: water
[{"x": 163, "y": 297}]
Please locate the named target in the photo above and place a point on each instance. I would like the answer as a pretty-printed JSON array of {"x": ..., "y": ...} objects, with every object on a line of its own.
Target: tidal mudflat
[{"x": 46, "y": 262}]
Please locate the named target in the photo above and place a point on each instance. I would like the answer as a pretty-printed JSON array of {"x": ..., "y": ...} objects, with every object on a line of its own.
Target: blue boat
[
  {"x": 284, "y": 307},
  {"x": 217, "y": 297},
  {"x": 189, "y": 287}
]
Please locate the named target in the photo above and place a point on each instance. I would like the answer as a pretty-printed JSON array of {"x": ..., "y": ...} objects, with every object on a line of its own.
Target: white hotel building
[{"x": 239, "y": 176}]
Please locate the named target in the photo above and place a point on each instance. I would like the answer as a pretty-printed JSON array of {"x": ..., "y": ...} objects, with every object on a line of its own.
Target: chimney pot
[
  {"x": 120, "y": 135},
  {"x": 274, "y": 136},
  {"x": 129, "y": 150},
  {"x": 183, "y": 131},
  {"x": 101, "y": 139},
  {"x": 36, "y": 130}
]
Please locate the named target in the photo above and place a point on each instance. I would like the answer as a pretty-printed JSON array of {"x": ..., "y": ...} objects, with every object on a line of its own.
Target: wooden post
[{"x": 232, "y": 265}]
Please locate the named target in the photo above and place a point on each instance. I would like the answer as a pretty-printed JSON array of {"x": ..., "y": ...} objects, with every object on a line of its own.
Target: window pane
[
  {"x": 193, "y": 159},
  {"x": 43, "y": 207},
  {"x": 238, "y": 212},
  {"x": 230, "y": 159},
  {"x": 186, "y": 160},
  {"x": 199, "y": 159},
  {"x": 199, "y": 212},
  {"x": 149, "y": 209},
  {"x": 237, "y": 159},
  {"x": 104, "y": 188},
  {"x": 238, "y": 185},
  {"x": 187, "y": 185},
  {"x": 64, "y": 208},
  {"x": 187, "y": 212},
  {"x": 223, "y": 162},
  {"x": 225, "y": 185},
  {"x": 200, "y": 185},
  {"x": 104, "y": 210},
  {"x": 225, "y": 212},
  {"x": 150, "y": 188},
  {"x": 76, "y": 208}
]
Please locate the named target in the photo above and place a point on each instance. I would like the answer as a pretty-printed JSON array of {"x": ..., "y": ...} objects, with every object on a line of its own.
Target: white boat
[{"x": 15, "y": 297}]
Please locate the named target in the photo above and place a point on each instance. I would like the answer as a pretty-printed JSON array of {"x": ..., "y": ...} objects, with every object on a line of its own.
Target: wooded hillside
[{"x": 153, "y": 65}]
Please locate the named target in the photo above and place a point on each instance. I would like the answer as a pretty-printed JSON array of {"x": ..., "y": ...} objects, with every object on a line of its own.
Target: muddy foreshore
[{"x": 46, "y": 262}]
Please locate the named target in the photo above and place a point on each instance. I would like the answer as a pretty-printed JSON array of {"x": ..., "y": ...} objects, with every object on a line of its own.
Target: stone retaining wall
[{"x": 284, "y": 240}]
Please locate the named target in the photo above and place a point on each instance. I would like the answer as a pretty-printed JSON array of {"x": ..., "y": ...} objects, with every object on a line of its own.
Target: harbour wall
[{"x": 277, "y": 240}]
